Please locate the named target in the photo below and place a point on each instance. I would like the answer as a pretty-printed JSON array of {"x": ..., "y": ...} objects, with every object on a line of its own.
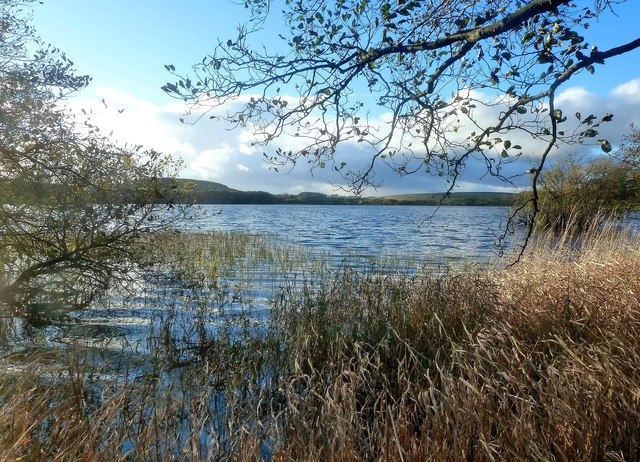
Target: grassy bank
[{"x": 537, "y": 362}]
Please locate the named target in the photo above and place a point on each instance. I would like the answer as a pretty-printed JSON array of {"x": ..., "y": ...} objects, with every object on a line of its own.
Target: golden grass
[{"x": 540, "y": 361}]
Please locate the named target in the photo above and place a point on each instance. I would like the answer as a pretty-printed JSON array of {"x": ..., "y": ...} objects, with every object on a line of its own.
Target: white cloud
[
  {"x": 623, "y": 102},
  {"x": 211, "y": 164},
  {"x": 628, "y": 91},
  {"x": 574, "y": 94},
  {"x": 246, "y": 149},
  {"x": 211, "y": 151}
]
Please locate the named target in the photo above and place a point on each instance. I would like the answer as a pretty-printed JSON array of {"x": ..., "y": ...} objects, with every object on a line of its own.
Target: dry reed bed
[{"x": 537, "y": 362}]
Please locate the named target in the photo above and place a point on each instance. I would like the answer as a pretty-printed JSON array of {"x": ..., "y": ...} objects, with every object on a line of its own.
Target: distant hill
[
  {"x": 203, "y": 185},
  {"x": 209, "y": 192}
]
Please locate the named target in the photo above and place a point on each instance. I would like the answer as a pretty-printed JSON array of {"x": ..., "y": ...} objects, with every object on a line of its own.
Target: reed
[{"x": 540, "y": 361}]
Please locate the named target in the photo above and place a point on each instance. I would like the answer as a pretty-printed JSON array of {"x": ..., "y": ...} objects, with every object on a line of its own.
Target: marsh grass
[{"x": 540, "y": 361}]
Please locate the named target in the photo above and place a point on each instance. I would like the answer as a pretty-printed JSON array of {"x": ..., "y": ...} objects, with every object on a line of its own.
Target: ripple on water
[{"x": 357, "y": 237}]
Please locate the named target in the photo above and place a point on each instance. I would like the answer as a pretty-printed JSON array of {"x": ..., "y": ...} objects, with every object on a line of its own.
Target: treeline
[
  {"x": 579, "y": 192},
  {"x": 200, "y": 194},
  {"x": 181, "y": 191},
  {"x": 40, "y": 192}
]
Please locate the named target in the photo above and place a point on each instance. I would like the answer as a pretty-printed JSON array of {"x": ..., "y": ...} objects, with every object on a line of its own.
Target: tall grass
[{"x": 540, "y": 361}]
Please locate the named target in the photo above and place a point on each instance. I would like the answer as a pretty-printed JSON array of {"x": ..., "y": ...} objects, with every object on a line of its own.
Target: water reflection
[{"x": 375, "y": 239}]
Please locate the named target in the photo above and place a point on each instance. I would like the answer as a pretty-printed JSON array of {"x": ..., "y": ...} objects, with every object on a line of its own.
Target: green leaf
[
  {"x": 605, "y": 145},
  {"x": 528, "y": 36},
  {"x": 557, "y": 115},
  {"x": 170, "y": 87},
  {"x": 507, "y": 144},
  {"x": 461, "y": 22}
]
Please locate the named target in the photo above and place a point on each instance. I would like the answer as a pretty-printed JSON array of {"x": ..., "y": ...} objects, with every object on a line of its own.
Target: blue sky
[{"x": 125, "y": 44}]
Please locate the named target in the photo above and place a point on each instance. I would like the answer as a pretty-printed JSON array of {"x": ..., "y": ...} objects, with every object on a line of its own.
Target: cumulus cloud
[
  {"x": 623, "y": 102},
  {"x": 629, "y": 91},
  {"x": 211, "y": 150},
  {"x": 211, "y": 164}
]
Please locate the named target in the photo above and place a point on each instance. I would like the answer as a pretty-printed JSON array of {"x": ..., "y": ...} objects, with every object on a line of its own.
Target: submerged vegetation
[{"x": 539, "y": 361}]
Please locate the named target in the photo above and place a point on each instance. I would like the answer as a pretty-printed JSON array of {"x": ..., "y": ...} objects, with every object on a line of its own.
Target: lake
[
  {"x": 447, "y": 233},
  {"x": 413, "y": 238}
]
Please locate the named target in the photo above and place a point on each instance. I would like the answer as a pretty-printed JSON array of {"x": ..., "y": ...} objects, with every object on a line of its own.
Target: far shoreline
[{"x": 211, "y": 193}]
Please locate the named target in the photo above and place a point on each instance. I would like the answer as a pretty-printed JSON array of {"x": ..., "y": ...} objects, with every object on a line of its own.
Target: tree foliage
[
  {"x": 74, "y": 206},
  {"x": 577, "y": 193},
  {"x": 629, "y": 153},
  {"x": 426, "y": 86}
]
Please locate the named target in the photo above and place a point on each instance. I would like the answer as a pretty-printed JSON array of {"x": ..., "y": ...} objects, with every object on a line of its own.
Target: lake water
[
  {"x": 342, "y": 235},
  {"x": 425, "y": 232}
]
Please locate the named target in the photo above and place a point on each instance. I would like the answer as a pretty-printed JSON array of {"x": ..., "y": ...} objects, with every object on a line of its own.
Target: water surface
[
  {"x": 452, "y": 232},
  {"x": 412, "y": 238}
]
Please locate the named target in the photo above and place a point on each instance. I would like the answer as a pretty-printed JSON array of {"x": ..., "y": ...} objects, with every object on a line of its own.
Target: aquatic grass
[
  {"x": 576, "y": 285},
  {"x": 530, "y": 364},
  {"x": 540, "y": 361}
]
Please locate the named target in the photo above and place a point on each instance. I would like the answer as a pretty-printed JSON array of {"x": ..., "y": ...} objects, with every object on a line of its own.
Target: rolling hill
[{"x": 209, "y": 192}]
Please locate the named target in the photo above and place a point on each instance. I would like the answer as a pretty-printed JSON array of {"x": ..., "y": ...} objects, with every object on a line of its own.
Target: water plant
[{"x": 538, "y": 361}]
